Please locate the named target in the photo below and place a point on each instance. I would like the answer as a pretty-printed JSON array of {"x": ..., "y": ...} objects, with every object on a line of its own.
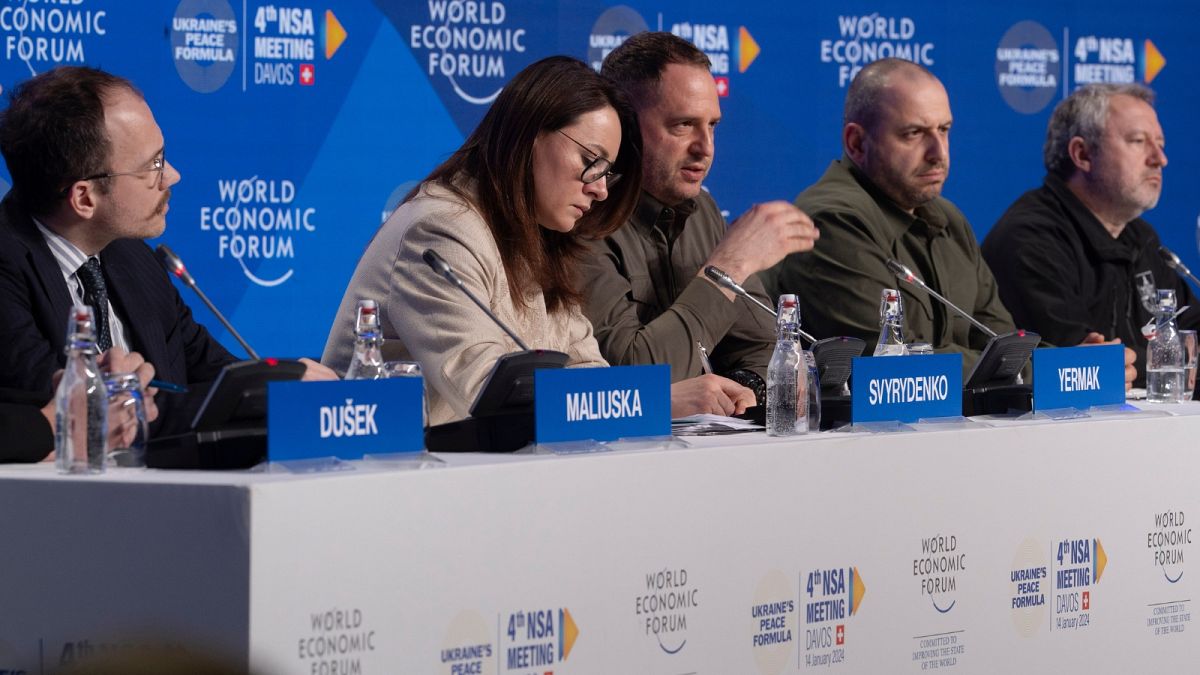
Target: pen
[
  {"x": 705, "y": 364},
  {"x": 168, "y": 386}
]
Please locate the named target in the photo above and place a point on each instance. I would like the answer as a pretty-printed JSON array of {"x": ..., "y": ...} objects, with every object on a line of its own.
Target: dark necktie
[{"x": 95, "y": 293}]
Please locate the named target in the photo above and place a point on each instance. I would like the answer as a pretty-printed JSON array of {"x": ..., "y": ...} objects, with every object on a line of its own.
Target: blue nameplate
[
  {"x": 602, "y": 404},
  {"x": 1078, "y": 377},
  {"x": 905, "y": 388},
  {"x": 348, "y": 419}
]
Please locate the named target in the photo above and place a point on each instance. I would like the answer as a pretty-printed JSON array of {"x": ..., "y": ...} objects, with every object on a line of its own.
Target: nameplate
[
  {"x": 905, "y": 388},
  {"x": 1078, "y": 377},
  {"x": 602, "y": 404},
  {"x": 348, "y": 419}
]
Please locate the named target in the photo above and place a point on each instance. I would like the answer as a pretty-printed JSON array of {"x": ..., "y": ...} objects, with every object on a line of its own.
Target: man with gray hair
[
  {"x": 882, "y": 200},
  {"x": 1074, "y": 260}
]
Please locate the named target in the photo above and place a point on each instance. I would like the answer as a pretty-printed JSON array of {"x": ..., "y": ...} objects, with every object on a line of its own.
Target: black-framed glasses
[
  {"x": 157, "y": 166},
  {"x": 596, "y": 169}
]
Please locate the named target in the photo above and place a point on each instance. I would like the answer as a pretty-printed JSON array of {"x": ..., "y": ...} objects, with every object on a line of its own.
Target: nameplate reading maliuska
[
  {"x": 905, "y": 388},
  {"x": 603, "y": 404},
  {"x": 347, "y": 419},
  {"x": 1078, "y": 377}
]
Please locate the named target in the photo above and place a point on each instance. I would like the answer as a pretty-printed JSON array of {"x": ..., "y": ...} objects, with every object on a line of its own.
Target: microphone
[
  {"x": 502, "y": 415},
  {"x": 440, "y": 266},
  {"x": 1176, "y": 264},
  {"x": 906, "y": 275},
  {"x": 174, "y": 265},
  {"x": 723, "y": 280}
]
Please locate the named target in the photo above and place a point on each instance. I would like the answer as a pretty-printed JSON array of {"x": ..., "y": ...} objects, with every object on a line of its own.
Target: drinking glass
[
  {"x": 1190, "y": 350},
  {"x": 127, "y": 409},
  {"x": 407, "y": 369}
]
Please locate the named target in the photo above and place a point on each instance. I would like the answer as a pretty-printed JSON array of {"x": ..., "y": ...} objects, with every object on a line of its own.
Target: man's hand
[
  {"x": 122, "y": 422},
  {"x": 117, "y": 360},
  {"x": 762, "y": 237},
  {"x": 711, "y": 394},
  {"x": 49, "y": 412},
  {"x": 1130, "y": 356},
  {"x": 1130, "y": 369},
  {"x": 315, "y": 372}
]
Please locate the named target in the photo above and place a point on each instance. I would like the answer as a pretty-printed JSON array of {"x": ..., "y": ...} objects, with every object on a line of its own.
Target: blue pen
[{"x": 169, "y": 386}]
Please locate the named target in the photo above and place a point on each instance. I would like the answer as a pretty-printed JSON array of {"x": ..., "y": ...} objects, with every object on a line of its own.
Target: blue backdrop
[{"x": 297, "y": 128}]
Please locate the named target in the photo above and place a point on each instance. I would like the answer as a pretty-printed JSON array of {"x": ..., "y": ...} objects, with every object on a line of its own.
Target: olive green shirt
[
  {"x": 647, "y": 305},
  {"x": 839, "y": 281}
]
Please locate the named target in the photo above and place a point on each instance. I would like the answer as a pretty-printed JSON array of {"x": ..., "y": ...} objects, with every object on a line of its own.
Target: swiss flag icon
[
  {"x": 1087, "y": 600},
  {"x": 722, "y": 86},
  {"x": 841, "y": 633},
  {"x": 308, "y": 74}
]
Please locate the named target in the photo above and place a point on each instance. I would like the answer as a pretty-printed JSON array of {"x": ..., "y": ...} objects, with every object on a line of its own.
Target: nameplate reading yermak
[
  {"x": 603, "y": 404},
  {"x": 1078, "y": 377}
]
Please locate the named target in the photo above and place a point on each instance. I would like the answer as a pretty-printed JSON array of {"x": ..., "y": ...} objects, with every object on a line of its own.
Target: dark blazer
[
  {"x": 35, "y": 301},
  {"x": 25, "y": 436}
]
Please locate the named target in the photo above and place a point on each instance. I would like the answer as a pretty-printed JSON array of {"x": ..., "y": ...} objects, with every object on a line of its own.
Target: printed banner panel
[{"x": 298, "y": 126}]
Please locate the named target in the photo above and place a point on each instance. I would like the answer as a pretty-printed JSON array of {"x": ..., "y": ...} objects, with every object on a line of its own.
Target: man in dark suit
[{"x": 90, "y": 182}]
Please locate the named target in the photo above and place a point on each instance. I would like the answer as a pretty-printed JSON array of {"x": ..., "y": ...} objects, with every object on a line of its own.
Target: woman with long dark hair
[{"x": 556, "y": 158}]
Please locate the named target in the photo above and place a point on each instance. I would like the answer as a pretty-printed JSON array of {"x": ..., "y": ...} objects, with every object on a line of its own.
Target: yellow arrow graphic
[
  {"x": 335, "y": 34},
  {"x": 1099, "y": 561},
  {"x": 857, "y": 590},
  {"x": 1154, "y": 61},
  {"x": 747, "y": 49},
  {"x": 569, "y": 631}
]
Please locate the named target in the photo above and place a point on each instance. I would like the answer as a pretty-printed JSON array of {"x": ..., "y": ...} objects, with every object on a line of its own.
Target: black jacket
[
  {"x": 1062, "y": 274},
  {"x": 25, "y": 436},
  {"x": 35, "y": 301}
]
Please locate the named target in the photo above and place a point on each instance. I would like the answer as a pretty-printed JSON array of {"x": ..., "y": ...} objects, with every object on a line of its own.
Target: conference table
[{"x": 986, "y": 545}]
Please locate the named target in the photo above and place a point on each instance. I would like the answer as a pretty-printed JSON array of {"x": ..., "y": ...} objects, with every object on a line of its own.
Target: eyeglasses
[
  {"x": 596, "y": 169},
  {"x": 157, "y": 165}
]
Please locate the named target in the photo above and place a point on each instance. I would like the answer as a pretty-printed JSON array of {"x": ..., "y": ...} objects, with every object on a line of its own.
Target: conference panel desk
[{"x": 981, "y": 547}]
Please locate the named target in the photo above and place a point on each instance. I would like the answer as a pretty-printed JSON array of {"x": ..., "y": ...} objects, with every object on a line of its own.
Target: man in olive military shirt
[
  {"x": 645, "y": 291},
  {"x": 882, "y": 200}
]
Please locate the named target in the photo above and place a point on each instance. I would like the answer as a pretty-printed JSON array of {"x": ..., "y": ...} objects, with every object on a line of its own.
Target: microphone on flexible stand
[
  {"x": 174, "y": 265},
  {"x": 1176, "y": 264},
  {"x": 502, "y": 415},
  {"x": 834, "y": 356},
  {"x": 722, "y": 279},
  {"x": 442, "y": 267},
  {"x": 906, "y": 275},
  {"x": 994, "y": 385},
  {"x": 228, "y": 430}
]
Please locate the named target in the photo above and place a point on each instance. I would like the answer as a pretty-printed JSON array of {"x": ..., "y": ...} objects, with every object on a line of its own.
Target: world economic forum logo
[
  {"x": 663, "y": 608},
  {"x": 43, "y": 34},
  {"x": 470, "y": 49},
  {"x": 257, "y": 222}
]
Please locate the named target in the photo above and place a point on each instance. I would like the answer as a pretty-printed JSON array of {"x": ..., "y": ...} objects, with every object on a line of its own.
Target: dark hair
[
  {"x": 498, "y": 156},
  {"x": 864, "y": 98},
  {"x": 53, "y": 133},
  {"x": 638, "y": 63},
  {"x": 1084, "y": 114}
]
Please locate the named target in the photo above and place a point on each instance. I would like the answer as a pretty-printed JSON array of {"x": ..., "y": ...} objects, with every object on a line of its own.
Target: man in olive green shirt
[
  {"x": 645, "y": 291},
  {"x": 882, "y": 200}
]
